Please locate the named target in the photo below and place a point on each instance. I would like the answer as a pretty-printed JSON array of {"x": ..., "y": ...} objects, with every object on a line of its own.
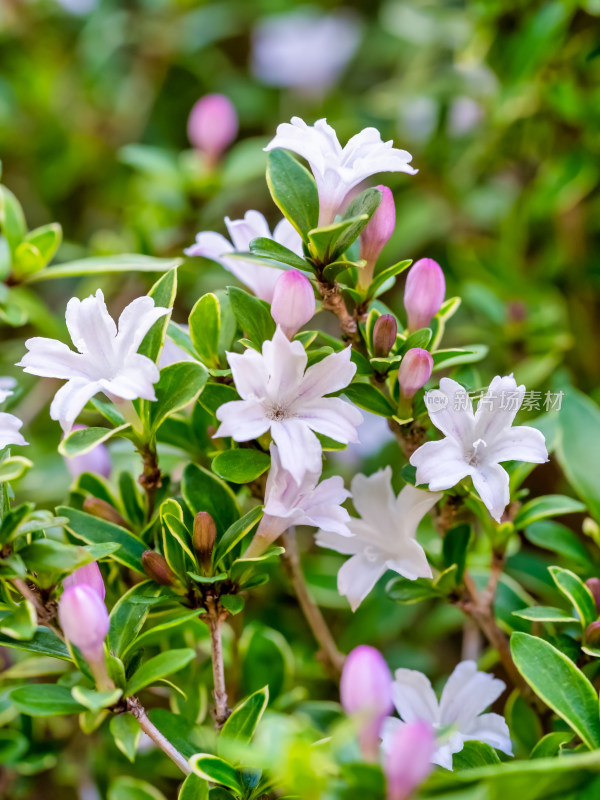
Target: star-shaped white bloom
[
  {"x": 475, "y": 444},
  {"x": 279, "y": 394},
  {"x": 107, "y": 359},
  {"x": 458, "y": 717},
  {"x": 337, "y": 170},
  {"x": 9, "y": 424},
  {"x": 288, "y": 503},
  {"x": 383, "y": 538},
  {"x": 258, "y": 278}
]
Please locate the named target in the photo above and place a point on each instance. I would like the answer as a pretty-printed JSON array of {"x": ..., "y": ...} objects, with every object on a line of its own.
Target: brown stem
[
  {"x": 139, "y": 712},
  {"x": 150, "y": 478},
  {"x": 312, "y": 613},
  {"x": 214, "y": 620},
  {"x": 45, "y": 615},
  {"x": 333, "y": 301}
]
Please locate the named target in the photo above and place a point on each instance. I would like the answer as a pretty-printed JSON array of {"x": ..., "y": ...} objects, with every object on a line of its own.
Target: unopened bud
[
  {"x": 88, "y": 575},
  {"x": 376, "y": 234},
  {"x": 424, "y": 293},
  {"x": 415, "y": 370},
  {"x": 593, "y": 585},
  {"x": 103, "y": 510},
  {"x": 293, "y": 302},
  {"x": 592, "y": 633},
  {"x": 407, "y": 759},
  {"x": 366, "y": 691},
  {"x": 84, "y": 620},
  {"x": 156, "y": 567},
  {"x": 212, "y": 125},
  {"x": 384, "y": 335},
  {"x": 203, "y": 538}
]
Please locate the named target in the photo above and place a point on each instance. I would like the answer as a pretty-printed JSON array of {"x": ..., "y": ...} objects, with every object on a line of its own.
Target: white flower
[
  {"x": 107, "y": 360},
  {"x": 458, "y": 716},
  {"x": 476, "y": 443},
  {"x": 258, "y": 278},
  {"x": 288, "y": 503},
  {"x": 338, "y": 170},
  {"x": 278, "y": 394},
  {"x": 383, "y": 538},
  {"x": 279, "y": 48},
  {"x": 7, "y": 386},
  {"x": 9, "y": 424}
]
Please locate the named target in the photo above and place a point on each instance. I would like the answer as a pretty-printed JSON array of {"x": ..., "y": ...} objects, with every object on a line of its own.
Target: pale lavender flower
[
  {"x": 408, "y": 760},
  {"x": 304, "y": 49},
  {"x": 289, "y": 503},
  {"x": 84, "y": 620},
  {"x": 377, "y": 234},
  {"x": 366, "y": 691},
  {"x": 415, "y": 370},
  {"x": 88, "y": 575},
  {"x": 279, "y": 394},
  {"x": 212, "y": 125},
  {"x": 338, "y": 170},
  {"x": 383, "y": 538},
  {"x": 258, "y": 278},
  {"x": 458, "y": 716},
  {"x": 475, "y": 444},
  {"x": 424, "y": 292},
  {"x": 293, "y": 302},
  {"x": 107, "y": 359}
]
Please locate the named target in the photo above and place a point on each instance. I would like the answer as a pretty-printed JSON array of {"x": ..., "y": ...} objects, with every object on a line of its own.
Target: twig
[
  {"x": 150, "y": 479},
  {"x": 44, "y": 615},
  {"x": 312, "y": 613},
  {"x": 333, "y": 301},
  {"x": 139, "y": 712},
  {"x": 214, "y": 620}
]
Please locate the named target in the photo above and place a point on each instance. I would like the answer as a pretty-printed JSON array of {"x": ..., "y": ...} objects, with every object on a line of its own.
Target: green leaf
[
  {"x": 126, "y": 732},
  {"x": 45, "y": 700},
  {"x": 575, "y": 590},
  {"x": 454, "y": 548},
  {"x": 50, "y": 554},
  {"x": 235, "y": 533},
  {"x": 205, "y": 327},
  {"x": 44, "y": 643},
  {"x": 215, "y": 770},
  {"x": 371, "y": 399},
  {"x": 95, "y": 701},
  {"x": 13, "y": 745},
  {"x": 93, "y": 530},
  {"x": 126, "y": 788},
  {"x": 550, "y": 744},
  {"x": 20, "y": 623},
  {"x": 474, "y": 754},
  {"x": 253, "y": 315},
  {"x": 101, "y": 265},
  {"x": 83, "y": 440},
  {"x": 203, "y": 491},
  {"x": 163, "y": 293},
  {"x": 407, "y": 592},
  {"x": 46, "y": 239},
  {"x": 194, "y": 788},
  {"x": 273, "y": 251},
  {"x": 550, "y": 505},
  {"x": 234, "y": 603},
  {"x": 544, "y": 614},
  {"x": 157, "y": 667},
  {"x": 560, "y": 684},
  {"x": 12, "y": 219},
  {"x": 244, "y": 718},
  {"x": 240, "y": 465},
  {"x": 329, "y": 243},
  {"x": 558, "y": 538},
  {"x": 129, "y": 614},
  {"x": 442, "y": 359},
  {"x": 179, "y": 384},
  {"x": 293, "y": 190},
  {"x": 14, "y": 467},
  {"x": 385, "y": 275}
]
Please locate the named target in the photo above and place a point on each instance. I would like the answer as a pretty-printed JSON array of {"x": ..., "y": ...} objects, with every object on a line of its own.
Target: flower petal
[
  {"x": 285, "y": 363},
  {"x": 136, "y": 379},
  {"x": 497, "y": 409},
  {"x": 451, "y": 410},
  {"x": 9, "y": 430},
  {"x": 242, "y": 420},
  {"x": 520, "y": 443},
  {"x": 333, "y": 540},
  {"x": 134, "y": 323},
  {"x": 284, "y": 233},
  {"x": 414, "y": 697},
  {"x": 410, "y": 561},
  {"x": 210, "y": 244},
  {"x": 492, "y": 729},
  {"x": 411, "y": 506},
  {"x": 357, "y": 577},
  {"x": 242, "y": 231},
  {"x": 332, "y": 373},
  {"x": 250, "y": 374},
  {"x": 440, "y": 464},
  {"x": 93, "y": 331},
  {"x": 50, "y": 358},
  {"x": 333, "y": 417},
  {"x": 491, "y": 483},
  {"x": 467, "y": 693},
  {"x": 299, "y": 448},
  {"x": 373, "y": 494},
  {"x": 70, "y": 400}
]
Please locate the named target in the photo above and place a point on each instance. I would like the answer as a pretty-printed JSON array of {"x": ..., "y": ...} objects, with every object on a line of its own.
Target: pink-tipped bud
[
  {"x": 366, "y": 690},
  {"x": 408, "y": 759},
  {"x": 84, "y": 620},
  {"x": 293, "y": 302},
  {"x": 212, "y": 125},
  {"x": 96, "y": 461},
  {"x": 88, "y": 575},
  {"x": 593, "y": 585},
  {"x": 424, "y": 293},
  {"x": 379, "y": 228},
  {"x": 415, "y": 370}
]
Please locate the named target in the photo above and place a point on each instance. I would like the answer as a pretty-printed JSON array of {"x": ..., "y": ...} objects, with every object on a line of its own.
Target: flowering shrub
[{"x": 143, "y": 591}]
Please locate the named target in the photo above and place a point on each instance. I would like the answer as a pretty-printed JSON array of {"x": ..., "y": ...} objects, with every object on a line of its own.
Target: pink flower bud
[
  {"x": 88, "y": 575},
  {"x": 293, "y": 302},
  {"x": 366, "y": 690},
  {"x": 415, "y": 370},
  {"x": 424, "y": 292},
  {"x": 212, "y": 125},
  {"x": 96, "y": 461},
  {"x": 408, "y": 760},
  {"x": 84, "y": 620},
  {"x": 593, "y": 585},
  {"x": 377, "y": 231}
]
